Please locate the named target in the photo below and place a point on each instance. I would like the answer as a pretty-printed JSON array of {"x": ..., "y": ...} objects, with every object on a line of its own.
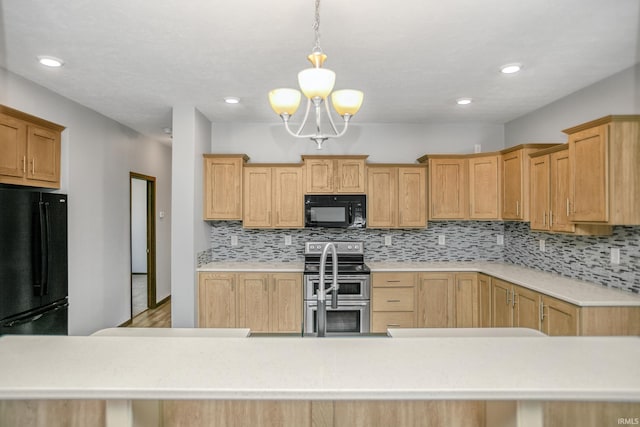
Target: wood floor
[{"x": 159, "y": 317}]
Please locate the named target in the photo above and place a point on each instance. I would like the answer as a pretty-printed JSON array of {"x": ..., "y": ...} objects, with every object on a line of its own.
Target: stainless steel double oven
[{"x": 353, "y": 313}]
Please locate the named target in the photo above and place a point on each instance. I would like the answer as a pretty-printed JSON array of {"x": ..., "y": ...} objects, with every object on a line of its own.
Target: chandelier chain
[{"x": 316, "y": 28}]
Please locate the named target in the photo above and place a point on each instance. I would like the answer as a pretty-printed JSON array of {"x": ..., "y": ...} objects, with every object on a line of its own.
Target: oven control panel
[{"x": 352, "y": 248}]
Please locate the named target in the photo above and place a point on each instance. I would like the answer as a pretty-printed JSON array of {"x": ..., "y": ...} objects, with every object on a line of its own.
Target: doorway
[{"x": 142, "y": 203}]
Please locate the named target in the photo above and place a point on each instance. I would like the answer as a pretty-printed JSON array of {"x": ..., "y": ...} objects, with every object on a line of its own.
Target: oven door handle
[{"x": 345, "y": 304}]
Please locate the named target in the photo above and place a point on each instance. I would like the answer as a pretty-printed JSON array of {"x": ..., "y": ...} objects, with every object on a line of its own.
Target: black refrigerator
[{"x": 33, "y": 263}]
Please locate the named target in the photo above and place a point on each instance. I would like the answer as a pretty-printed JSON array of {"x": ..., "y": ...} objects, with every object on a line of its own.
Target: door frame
[{"x": 151, "y": 239}]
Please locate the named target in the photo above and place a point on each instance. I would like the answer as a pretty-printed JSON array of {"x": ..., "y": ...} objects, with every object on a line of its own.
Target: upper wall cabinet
[
  {"x": 396, "y": 196},
  {"x": 604, "y": 157},
  {"x": 29, "y": 150},
  {"x": 334, "y": 174},
  {"x": 515, "y": 180},
  {"x": 223, "y": 186},
  {"x": 273, "y": 196}
]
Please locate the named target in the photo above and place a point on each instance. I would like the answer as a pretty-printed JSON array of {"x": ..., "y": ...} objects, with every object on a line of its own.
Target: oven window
[
  {"x": 340, "y": 321},
  {"x": 328, "y": 214},
  {"x": 346, "y": 288}
]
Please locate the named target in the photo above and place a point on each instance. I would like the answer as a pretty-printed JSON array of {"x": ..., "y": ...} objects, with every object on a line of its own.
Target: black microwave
[{"x": 340, "y": 211}]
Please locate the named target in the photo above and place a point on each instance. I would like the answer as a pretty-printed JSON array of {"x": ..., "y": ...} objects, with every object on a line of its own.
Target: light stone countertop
[
  {"x": 295, "y": 368},
  {"x": 577, "y": 292}
]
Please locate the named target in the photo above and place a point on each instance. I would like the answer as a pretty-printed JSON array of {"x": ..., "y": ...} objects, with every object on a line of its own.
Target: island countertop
[
  {"x": 295, "y": 368},
  {"x": 574, "y": 291}
]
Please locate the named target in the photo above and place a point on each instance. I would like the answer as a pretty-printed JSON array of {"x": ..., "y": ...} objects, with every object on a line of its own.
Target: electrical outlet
[
  {"x": 477, "y": 148},
  {"x": 234, "y": 240},
  {"x": 287, "y": 240},
  {"x": 500, "y": 239},
  {"x": 387, "y": 240},
  {"x": 615, "y": 255},
  {"x": 441, "y": 240},
  {"x": 543, "y": 245}
]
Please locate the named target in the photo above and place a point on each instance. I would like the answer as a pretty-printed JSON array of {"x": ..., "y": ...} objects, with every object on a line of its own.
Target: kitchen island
[{"x": 492, "y": 381}]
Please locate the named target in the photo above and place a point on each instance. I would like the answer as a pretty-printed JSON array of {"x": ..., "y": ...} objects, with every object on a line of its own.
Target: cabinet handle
[
  {"x": 517, "y": 207},
  {"x": 550, "y": 218},
  {"x": 513, "y": 298},
  {"x": 541, "y": 311},
  {"x": 393, "y": 324},
  {"x": 568, "y": 207},
  {"x": 33, "y": 166},
  {"x": 393, "y": 300},
  {"x": 24, "y": 164},
  {"x": 508, "y": 300}
]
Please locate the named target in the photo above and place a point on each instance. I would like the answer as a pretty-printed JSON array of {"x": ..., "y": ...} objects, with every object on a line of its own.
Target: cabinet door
[
  {"x": 526, "y": 309},
  {"x": 257, "y": 197},
  {"x": 560, "y": 188},
  {"x": 286, "y": 303},
  {"x": 412, "y": 197},
  {"x": 382, "y": 204},
  {"x": 484, "y": 301},
  {"x": 13, "y": 134},
  {"x": 222, "y": 188},
  {"x": 288, "y": 197},
  {"x": 559, "y": 318},
  {"x": 466, "y": 300},
  {"x": 436, "y": 296},
  {"x": 501, "y": 304},
  {"x": 512, "y": 185},
  {"x": 350, "y": 176},
  {"x": 43, "y": 154},
  {"x": 539, "y": 208},
  {"x": 447, "y": 188},
  {"x": 253, "y": 301},
  {"x": 319, "y": 175},
  {"x": 217, "y": 300},
  {"x": 484, "y": 188},
  {"x": 589, "y": 170}
]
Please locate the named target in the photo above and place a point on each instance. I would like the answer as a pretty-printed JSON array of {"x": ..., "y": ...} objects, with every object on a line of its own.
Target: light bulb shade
[
  {"x": 347, "y": 101},
  {"x": 284, "y": 101},
  {"x": 316, "y": 82}
]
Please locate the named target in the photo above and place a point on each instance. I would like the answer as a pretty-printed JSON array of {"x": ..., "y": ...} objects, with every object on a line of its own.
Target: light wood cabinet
[
  {"x": 484, "y": 187},
  {"x": 30, "y": 150},
  {"x": 396, "y": 196},
  {"x": 217, "y": 294},
  {"x": 558, "y": 317},
  {"x": 604, "y": 159},
  {"x": 484, "y": 300},
  {"x": 262, "y": 302},
  {"x": 223, "y": 186},
  {"x": 393, "y": 301},
  {"x": 334, "y": 174},
  {"x": 448, "y": 197},
  {"x": 448, "y": 300},
  {"x": 550, "y": 184},
  {"x": 273, "y": 197},
  {"x": 515, "y": 180}
]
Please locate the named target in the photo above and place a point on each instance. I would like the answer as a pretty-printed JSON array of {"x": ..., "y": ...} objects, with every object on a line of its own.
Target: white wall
[
  {"x": 384, "y": 143},
  {"x": 191, "y": 138},
  {"x": 97, "y": 156},
  {"x": 618, "y": 94},
  {"x": 138, "y": 226}
]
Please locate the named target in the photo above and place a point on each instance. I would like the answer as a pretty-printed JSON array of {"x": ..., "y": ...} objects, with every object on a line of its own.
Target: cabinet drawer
[
  {"x": 381, "y": 321},
  {"x": 393, "y": 299},
  {"x": 393, "y": 279}
]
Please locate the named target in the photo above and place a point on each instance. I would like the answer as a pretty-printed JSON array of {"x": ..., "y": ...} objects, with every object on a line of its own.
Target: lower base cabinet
[
  {"x": 262, "y": 302},
  {"x": 393, "y": 301},
  {"x": 448, "y": 300}
]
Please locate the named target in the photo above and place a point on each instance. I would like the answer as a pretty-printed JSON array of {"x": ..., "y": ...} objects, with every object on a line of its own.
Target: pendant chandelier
[{"x": 316, "y": 83}]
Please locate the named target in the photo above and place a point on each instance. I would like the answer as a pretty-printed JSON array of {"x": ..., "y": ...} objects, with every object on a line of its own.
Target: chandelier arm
[
  {"x": 333, "y": 125},
  {"x": 306, "y": 117}
]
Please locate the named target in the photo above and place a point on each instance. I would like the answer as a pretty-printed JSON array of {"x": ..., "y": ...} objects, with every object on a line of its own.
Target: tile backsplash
[{"x": 581, "y": 257}]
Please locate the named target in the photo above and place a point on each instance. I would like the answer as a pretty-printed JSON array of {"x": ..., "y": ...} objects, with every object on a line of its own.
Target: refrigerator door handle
[
  {"x": 47, "y": 245},
  {"x": 41, "y": 284}
]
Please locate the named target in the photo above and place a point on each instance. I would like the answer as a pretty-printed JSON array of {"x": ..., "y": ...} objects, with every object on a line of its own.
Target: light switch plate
[
  {"x": 543, "y": 245},
  {"x": 615, "y": 255},
  {"x": 387, "y": 240},
  {"x": 441, "y": 240},
  {"x": 234, "y": 240},
  {"x": 500, "y": 239}
]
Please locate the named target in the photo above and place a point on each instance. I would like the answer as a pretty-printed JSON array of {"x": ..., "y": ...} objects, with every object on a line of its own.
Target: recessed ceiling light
[
  {"x": 510, "y": 68},
  {"x": 50, "y": 61},
  {"x": 463, "y": 101},
  {"x": 232, "y": 100}
]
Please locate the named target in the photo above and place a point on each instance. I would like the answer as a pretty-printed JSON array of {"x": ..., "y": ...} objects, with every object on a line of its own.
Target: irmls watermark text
[{"x": 628, "y": 421}]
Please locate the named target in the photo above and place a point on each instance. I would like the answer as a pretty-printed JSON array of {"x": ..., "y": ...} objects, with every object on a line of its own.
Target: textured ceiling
[{"x": 132, "y": 60}]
